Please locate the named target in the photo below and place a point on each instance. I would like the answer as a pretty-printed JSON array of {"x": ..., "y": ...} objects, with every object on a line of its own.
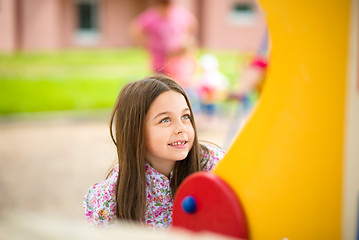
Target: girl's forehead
[{"x": 169, "y": 101}]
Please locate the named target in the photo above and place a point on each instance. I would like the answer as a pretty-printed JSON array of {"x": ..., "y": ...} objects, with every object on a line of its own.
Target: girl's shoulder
[
  {"x": 100, "y": 201},
  {"x": 211, "y": 154}
]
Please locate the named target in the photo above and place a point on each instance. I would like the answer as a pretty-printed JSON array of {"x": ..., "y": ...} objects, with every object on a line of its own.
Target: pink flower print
[
  {"x": 149, "y": 197},
  {"x": 158, "y": 211},
  {"x": 106, "y": 197},
  {"x": 98, "y": 194},
  {"x": 112, "y": 187},
  {"x": 168, "y": 198},
  {"x": 89, "y": 214}
]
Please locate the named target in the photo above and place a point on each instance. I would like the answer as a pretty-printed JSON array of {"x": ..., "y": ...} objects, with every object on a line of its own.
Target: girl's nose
[{"x": 180, "y": 127}]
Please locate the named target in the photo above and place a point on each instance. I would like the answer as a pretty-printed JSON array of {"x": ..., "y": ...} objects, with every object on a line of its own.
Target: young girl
[{"x": 154, "y": 131}]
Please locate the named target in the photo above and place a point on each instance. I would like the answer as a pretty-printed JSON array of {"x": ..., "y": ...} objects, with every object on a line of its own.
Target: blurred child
[
  {"x": 153, "y": 128},
  {"x": 213, "y": 85},
  {"x": 250, "y": 86},
  {"x": 251, "y": 83},
  {"x": 168, "y": 32},
  {"x": 251, "y": 80}
]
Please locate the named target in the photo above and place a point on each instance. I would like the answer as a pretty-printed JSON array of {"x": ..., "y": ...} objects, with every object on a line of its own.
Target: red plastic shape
[{"x": 218, "y": 208}]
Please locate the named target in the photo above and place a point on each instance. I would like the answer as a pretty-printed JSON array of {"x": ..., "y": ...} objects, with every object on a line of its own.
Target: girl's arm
[{"x": 100, "y": 201}]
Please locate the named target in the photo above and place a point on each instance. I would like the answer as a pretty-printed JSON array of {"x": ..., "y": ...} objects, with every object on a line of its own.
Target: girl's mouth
[{"x": 179, "y": 143}]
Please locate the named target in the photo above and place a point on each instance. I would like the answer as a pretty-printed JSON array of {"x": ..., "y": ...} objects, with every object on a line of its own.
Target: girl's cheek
[{"x": 193, "y": 133}]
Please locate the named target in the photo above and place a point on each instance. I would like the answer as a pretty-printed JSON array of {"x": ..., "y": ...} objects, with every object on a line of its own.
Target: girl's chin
[{"x": 181, "y": 158}]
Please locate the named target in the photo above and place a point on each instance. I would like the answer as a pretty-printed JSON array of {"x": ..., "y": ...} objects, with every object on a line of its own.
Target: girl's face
[{"x": 169, "y": 133}]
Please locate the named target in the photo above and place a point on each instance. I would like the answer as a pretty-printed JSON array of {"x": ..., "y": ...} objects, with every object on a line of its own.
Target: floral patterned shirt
[{"x": 100, "y": 201}]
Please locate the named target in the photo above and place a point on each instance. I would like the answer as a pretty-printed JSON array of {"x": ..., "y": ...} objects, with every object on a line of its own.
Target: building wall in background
[
  {"x": 7, "y": 25},
  {"x": 40, "y": 25},
  {"x": 116, "y": 18},
  {"x": 225, "y": 27},
  {"x": 53, "y": 24}
]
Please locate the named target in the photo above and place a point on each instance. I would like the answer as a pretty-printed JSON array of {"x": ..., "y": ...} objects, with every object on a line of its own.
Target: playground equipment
[{"x": 294, "y": 166}]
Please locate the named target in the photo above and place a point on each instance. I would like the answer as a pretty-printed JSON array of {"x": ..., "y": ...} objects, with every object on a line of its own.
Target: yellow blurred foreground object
[{"x": 286, "y": 165}]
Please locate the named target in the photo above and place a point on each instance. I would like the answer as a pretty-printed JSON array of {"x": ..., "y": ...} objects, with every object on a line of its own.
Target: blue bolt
[{"x": 189, "y": 204}]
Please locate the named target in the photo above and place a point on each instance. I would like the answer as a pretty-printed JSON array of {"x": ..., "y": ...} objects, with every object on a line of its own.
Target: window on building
[
  {"x": 87, "y": 21},
  {"x": 242, "y": 13}
]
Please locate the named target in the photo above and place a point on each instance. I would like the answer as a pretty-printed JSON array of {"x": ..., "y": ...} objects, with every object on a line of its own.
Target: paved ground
[{"x": 47, "y": 163}]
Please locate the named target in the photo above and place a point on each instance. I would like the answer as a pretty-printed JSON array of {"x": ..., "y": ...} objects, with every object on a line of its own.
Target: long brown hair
[{"x": 127, "y": 132}]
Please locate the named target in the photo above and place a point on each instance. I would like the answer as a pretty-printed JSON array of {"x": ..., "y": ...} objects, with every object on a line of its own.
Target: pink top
[
  {"x": 165, "y": 34},
  {"x": 100, "y": 201}
]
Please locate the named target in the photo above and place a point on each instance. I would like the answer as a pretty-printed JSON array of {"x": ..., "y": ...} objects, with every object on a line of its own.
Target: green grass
[
  {"x": 67, "y": 80},
  {"x": 75, "y": 79}
]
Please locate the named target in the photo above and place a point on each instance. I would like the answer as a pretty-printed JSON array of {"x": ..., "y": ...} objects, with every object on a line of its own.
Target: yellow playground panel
[{"x": 290, "y": 163}]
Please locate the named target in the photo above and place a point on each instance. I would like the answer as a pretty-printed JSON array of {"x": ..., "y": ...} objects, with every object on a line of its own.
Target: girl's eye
[
  {"x": 186, "y": 117},
  {"x": 165, "y": 120}
]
